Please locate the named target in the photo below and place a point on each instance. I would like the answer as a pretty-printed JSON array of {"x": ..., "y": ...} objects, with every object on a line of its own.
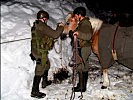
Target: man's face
[
  {"x": 76, "y": 17},
  {"x": 44, "y": 20}
]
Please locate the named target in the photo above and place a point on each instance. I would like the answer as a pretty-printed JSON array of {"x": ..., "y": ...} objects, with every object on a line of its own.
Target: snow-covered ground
[{"x": 17, "y": 69}]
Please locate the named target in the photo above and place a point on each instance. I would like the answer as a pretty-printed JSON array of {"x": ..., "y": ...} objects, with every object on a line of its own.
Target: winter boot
[
  {"x": 45, "y": 81},
  {"x": 35, "y": 89},
  {"x": 85, "y": 78}
]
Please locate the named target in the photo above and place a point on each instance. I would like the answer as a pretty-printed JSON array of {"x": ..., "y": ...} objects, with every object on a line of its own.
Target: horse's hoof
[{"x": 104, "y": 87}]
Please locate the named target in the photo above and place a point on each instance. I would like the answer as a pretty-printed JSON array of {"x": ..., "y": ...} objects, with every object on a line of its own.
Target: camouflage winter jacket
[
  {"x": 43, "y": 38},
  {"x": 85, "y": 32}
]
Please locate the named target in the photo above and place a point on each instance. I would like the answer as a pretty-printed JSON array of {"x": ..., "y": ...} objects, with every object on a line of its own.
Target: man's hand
[
  {"x": 60, "y": 24},
  {"x": 32, "y": 57},
  {"x": 75, "y": 33}
]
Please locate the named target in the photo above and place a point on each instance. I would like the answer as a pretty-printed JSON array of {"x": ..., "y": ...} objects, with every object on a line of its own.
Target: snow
[{"x": 17, "y": 69}]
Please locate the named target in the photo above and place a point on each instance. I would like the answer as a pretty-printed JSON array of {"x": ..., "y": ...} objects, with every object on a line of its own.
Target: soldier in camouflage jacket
[
  {"x": 42, "y": 41},
  {"x": 84, "y": 34}
]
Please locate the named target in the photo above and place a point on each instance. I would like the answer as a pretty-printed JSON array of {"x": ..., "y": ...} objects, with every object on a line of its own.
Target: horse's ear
[{"x": 70, "y": 15}]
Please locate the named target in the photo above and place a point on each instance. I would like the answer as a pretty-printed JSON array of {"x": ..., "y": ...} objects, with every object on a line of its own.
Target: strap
[
  {"x": 113, "y": 47},
  {"x": 114, "y": 38}
]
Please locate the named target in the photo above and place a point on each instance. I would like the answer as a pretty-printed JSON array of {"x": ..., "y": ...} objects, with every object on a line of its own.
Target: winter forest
[{"x": 17, "y": 68}]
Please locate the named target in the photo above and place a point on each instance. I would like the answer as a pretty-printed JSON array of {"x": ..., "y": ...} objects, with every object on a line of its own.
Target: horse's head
[{"x": 70, "y": 23}]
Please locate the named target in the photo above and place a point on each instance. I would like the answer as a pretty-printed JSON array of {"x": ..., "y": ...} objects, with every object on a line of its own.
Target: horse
[{"x": 113, "y": 43}]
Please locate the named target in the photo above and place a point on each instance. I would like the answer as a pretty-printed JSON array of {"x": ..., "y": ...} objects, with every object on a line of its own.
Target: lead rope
[
  {"x": 73, "y": 81},
  {"x": 81, "y": 85},
  {"x": 61, "y": 54},
  {"x": 75, "y": 65},
  {"x": 60, "y": 44},
  {"x": 75, "y": 53},
  {"x": 114, "y": 37},
  {"x": 113, "y": 47}
]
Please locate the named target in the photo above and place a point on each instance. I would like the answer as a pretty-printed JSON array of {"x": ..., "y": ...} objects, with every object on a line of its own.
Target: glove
[
  {"x": 60, "y": 24},
  {"x": 32, "y": 57},
  {"x": 63, "y": 36}
]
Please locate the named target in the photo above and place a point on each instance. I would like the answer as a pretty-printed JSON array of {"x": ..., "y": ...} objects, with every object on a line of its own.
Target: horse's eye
[{"x": 67, "y": 23}]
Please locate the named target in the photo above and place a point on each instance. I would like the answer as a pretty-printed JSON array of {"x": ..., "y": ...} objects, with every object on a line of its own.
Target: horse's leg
[
  {"x": 105, "y": 79},
  {"x": 106, "y": 61}
]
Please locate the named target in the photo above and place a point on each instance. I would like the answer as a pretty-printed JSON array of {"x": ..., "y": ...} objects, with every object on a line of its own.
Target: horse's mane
[{"x": 96, "y": 23}]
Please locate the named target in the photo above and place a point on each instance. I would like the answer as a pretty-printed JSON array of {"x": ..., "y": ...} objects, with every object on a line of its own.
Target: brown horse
[{"x": 111, "y": 43}]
